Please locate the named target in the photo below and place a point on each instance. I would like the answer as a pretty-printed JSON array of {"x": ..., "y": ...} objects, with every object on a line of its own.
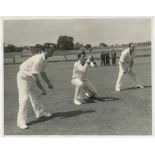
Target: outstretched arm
[
  {"x": 130, "y": 66},
  {"x": 128, "y": 69},
  {"x": 44, "y": 76},
  {"x": 37, "y": 81},
  {"x": 122, "y": 66}
]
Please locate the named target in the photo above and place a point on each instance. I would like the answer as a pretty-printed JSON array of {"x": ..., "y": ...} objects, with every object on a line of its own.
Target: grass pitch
[{"x": 128, "y": 112}]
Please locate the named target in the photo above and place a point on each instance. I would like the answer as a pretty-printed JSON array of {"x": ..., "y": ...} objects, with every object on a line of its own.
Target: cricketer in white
[
  {"x": 79, "y": 78},
  {"x": 126, "y": 63},
  {"x": 29, "y": 86}
]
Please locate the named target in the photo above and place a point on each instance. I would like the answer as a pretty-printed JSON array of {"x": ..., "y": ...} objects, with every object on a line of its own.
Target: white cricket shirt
[
  {"x": 34, "y": 65},
  {"x": 126, "y": 56},
  {"x": 80, "y": 71}
]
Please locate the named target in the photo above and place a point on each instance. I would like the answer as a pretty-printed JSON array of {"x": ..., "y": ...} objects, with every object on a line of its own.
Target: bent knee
[
  {"x": 80, "y": 84},
  {"x": 77, "y": 83}
]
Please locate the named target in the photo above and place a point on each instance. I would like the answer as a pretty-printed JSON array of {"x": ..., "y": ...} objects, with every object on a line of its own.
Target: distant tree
[
  {"x": 37, "y": 48},
  {"x": 124, "y": 45},
  {"x": 78, "y": 45},
  {"x": 103, "y": 44},
  {"x": 50, "y": 44},
  {"x": 116, "y": 45},
  {"x": 38, "y": 45},
  {"x": 19, "y": 49},
  {"x": 65, "y": 43},
  {"x": 10, "y": 48},
  {"x": 88, "y": 46}
]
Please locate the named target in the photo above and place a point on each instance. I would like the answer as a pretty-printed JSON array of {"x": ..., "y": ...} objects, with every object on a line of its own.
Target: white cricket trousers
[
  {"x": 27, "y": 92},
  {"x": 132, "y": 75},
  {"x": 82, "y": 87}
]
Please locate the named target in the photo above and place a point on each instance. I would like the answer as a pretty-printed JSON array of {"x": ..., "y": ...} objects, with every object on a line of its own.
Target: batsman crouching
[
  {"x": 29, "y": 86},
  {"x": 79, "y": 78}
]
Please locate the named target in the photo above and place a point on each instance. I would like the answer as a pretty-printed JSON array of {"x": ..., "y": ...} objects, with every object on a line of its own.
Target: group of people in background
[{"x": 105, "y": 58}]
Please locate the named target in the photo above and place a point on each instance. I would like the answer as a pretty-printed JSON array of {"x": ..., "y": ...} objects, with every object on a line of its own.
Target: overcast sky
[{"x": 93, "y": 31}]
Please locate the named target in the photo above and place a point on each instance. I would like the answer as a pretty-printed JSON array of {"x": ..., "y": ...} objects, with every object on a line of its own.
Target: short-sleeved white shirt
[
  {"x": 80, "y": 71},
  {"x": 34, "y": 65},
  {"x": 126, "y": 56}
]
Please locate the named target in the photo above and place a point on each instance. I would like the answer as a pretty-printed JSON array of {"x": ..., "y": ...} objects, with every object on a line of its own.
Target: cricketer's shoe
[
  {"x": 22, "y": 126},
  {"x": 77, "y": 102},
  {"x": 44, "y": 114},
  {"x": 117, "y": 89}
]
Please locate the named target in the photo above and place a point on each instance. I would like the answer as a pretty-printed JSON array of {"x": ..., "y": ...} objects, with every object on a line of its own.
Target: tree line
[{"x": 64, "y": 43}]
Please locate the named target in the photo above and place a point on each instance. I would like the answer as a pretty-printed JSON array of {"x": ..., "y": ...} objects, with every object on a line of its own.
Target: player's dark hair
[
  {"x": 81, "y": 53},
  {"x": 47, "y": 46},
  {"x": 130, "y": 44},
  {"x": 37, "y": 48}
]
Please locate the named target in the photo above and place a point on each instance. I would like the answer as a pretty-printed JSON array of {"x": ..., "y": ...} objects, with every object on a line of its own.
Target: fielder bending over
[
  {"x": 29, "y": 86},
  {"x": 126, "y": 63},
  {"x": 79, "y": 78}
]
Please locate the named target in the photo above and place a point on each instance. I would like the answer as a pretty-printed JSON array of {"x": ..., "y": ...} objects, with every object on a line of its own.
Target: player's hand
[
  {"x": 91, "y": 58},
  {"x": 50, "y": 86},
  {"x": 88, "y": 61},
  {"x": 43, "y": 92}
]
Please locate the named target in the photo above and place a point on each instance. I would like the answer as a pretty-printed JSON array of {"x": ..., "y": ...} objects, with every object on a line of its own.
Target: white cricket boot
[
  {"x": 77, "y": 102},
  {"x": 22, "y": 126},
  {"x": 44, "y": 114},
  {"x": 117, "y": 89}
]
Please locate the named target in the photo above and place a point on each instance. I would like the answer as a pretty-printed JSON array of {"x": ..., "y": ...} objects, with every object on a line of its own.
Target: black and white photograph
[{"x": 78, "y": 76}]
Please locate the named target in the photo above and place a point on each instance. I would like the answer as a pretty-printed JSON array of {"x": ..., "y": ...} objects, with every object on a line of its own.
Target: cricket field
[{"x": 128, "y": 112}]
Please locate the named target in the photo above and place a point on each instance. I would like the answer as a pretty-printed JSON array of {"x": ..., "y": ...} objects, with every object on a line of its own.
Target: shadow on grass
[
  {"x": 134, "y": 88},
  {"x": 62, "y": 115},
  {"x": 102, "y": 99}
]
